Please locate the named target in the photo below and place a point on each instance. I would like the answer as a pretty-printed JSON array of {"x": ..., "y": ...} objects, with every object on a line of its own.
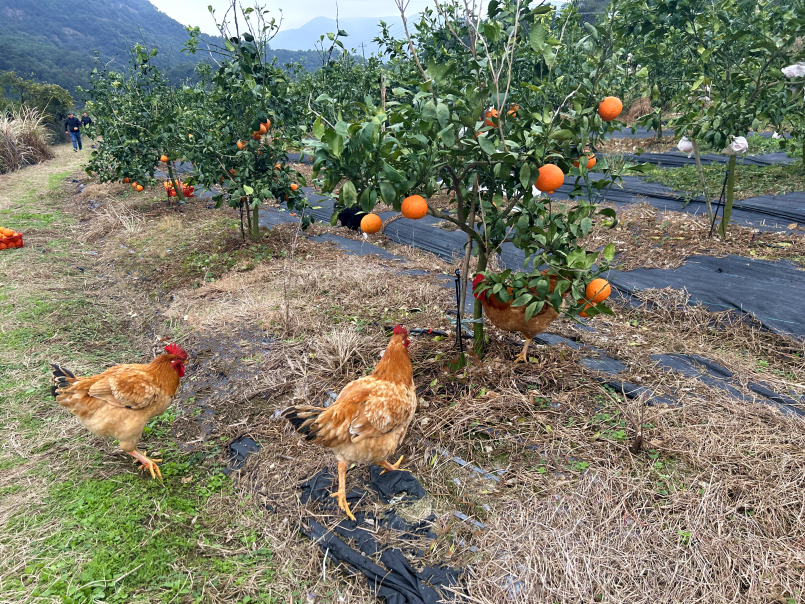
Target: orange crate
[{"x": 9, "y": 243}]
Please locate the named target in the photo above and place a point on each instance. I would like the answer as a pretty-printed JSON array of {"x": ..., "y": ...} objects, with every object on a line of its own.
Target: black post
[{"x": 459, "y": 328}]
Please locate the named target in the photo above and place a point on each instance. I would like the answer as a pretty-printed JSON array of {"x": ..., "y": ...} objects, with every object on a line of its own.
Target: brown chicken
[
  {"x": 119, "y": 401},
  {"x": 512, "y": 318},
  {"x": 369, "y": 418}
]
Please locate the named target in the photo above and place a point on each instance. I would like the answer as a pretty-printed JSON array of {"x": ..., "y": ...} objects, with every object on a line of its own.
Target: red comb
[
  {"x": 177, "y": 350},
  {"x": 399, "y": 329}
]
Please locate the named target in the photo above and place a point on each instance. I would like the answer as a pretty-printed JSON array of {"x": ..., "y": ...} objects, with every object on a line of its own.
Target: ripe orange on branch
[
  {"x": 294, "y": 186},
  {"x": 596, "y": 292},
  {"x": 550, "y": 178},
  {"x": 164, "y": 158},
  {"x": 241, "y": 145},
  {"x": 492, "y": 113},
  {"x": 414, "y": 207},
  {"x": 371, "y": 223},
  {"x": 591, "y": 161},
  {"x": 610, "y": 108}
]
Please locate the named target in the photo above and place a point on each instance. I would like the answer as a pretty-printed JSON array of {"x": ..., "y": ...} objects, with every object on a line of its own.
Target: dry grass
[
  {"x": 23, "y": 139},
  {"x": 639, "y": 108}
]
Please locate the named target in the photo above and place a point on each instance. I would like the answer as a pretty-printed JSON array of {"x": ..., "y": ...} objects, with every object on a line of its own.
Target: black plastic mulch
[
  {"x": 769, "y": 290},
  {"x": 767, "y": 212},
  {"x": 396, "y": 581}
]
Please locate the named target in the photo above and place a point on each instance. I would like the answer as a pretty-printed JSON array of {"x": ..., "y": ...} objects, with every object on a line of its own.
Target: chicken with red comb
[
  {"x": 369, "y": 418},
  {"x": 118, "y": 402}
]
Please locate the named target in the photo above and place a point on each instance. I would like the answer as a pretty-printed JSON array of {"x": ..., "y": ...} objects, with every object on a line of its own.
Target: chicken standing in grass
[
  {"x": 119, "y": 401},
  {"x": 512, "y": 318},
  {"x": 369, "y": 418}
]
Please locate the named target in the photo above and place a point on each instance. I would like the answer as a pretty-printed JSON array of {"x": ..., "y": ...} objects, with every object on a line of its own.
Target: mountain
[
  {"x": 55, "y": 40},
  {"x": 360, "y": 30}
]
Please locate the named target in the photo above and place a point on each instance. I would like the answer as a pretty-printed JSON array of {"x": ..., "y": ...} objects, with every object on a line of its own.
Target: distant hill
[
  {"x": 360, "y": 29},
  {"x": 55, "y": 40}
]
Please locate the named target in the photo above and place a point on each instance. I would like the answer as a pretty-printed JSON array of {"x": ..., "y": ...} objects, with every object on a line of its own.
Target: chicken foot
[
  {"x": 147, "y": 464},
  {"x": 387, "y": 467},
  {"x": 523, "y": 356},
  {"x": 341, "y": 493}
]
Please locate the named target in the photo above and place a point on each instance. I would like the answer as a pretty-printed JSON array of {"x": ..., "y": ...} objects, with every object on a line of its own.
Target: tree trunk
[
  {"x": 722, "y": 228},
  {"x": 256, "y": 222},
  {"x": 659, "y": 122},
  {"x": 175, "y": 184},
  {"x": 478, "y": 310}
]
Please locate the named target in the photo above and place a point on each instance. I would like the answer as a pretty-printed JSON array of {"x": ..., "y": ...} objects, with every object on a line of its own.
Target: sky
[{"x": 294, "y": 14}]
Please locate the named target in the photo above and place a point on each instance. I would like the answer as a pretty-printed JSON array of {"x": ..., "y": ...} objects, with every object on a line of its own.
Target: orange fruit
[
  {"x": 232, "y": 171},
  {"x": 591, "y": 161},
  {"x": 241, "y": 144},
  {"x": 597, "y": 291},
  {"x": 262, "y": 129},
  {"x": 513, "y": 110},
  {"x": 610, "y": 108},
  {"x": 134, "y": 184},
  {"x": 127, "y": 180},
  {"x": 139, "y": 188},
  {"x": 294, "y": 186},
  {"x": 550, "y": 178},
  {"x": 267, "y": 125},
  {"x": 2, "y": 246},
  {"x": 414, "y": 207},
  {"x": 490, "y": 114},
  {"x": 371, "y": 223},
  {"x": 164, "y": 158},
  {"x": 277, "y": 166}
]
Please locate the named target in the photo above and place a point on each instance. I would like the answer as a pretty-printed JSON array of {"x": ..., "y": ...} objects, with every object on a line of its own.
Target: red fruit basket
[
  {"x": 9, "y": 243},
  {"x": 186, "y": 191}
]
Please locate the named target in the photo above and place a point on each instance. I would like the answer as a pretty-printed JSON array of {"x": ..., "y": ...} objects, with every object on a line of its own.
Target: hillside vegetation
[{"x": 56, "y": 40}]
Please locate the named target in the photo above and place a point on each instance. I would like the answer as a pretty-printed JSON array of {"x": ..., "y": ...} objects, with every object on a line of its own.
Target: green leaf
[
  {"x": 591, "y": 30},
  {"x": 487, "y": 146},
  {"x": 366, "y": 200},
  {"x": 348, "y": 195},
  {"x": 536, "y": 37},
  {"x": 643, "y": 73},
  {"x": 586, "y": 225},
  {"x": 392, "y": 174},
  {"x": 248, "y": 190},
  {"x": 387, "y": 192},
  {"x": 334, "y": 219},
  {"x": 448, "y": 136},
  {"x": 335, "y": 142},
  {"x": 443, "y": 114},
  {"x": 534, "y": 308},
  {"x": 429, "y": 111},
  {"x": 609, "y": 252},
  {"x": 525, "y": 177},
  {"x": 562, "y": 134},
  {"x": 522, "y": 299},
  {"x": 318, "y": 128}
]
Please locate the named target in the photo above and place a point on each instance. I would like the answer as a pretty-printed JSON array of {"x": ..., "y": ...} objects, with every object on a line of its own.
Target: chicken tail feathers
[
  {"x": 303, "y": 419},
  {"x": 60, "y": 378}
]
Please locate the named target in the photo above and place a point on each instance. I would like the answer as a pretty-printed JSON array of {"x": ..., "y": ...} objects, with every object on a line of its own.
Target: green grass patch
[
  {"x": 750, "y": 181},
  {"x": 126, "y": 539}
]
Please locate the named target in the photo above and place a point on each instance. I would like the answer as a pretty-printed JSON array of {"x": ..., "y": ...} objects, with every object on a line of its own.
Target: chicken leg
[
  {"x": 341, "y": 493},
  {"x": 523, "y": 356},
  {"x": 387, "y": 467},
  {"x": 147, "y": 464}
]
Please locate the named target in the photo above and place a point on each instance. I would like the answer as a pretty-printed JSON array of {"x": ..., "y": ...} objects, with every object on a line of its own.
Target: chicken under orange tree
[
  {"x": 119, "y": 401},
  {"x": 512, "y": 318},
  {"x": 369, "y": 418}
]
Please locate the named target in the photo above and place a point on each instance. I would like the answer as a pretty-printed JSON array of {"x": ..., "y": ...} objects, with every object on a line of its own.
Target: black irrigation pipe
[{"x": 721, "y": 201}]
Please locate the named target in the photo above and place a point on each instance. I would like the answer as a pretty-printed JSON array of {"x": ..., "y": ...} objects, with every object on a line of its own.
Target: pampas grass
[{"x": 23, "y": 139}]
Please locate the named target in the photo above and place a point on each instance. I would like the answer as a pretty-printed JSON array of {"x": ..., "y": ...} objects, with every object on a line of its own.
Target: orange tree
[
  {"x": 139, "y": 116},
  {"x": 460, "y": 126},
  {"x": 228, "y": 126}
]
